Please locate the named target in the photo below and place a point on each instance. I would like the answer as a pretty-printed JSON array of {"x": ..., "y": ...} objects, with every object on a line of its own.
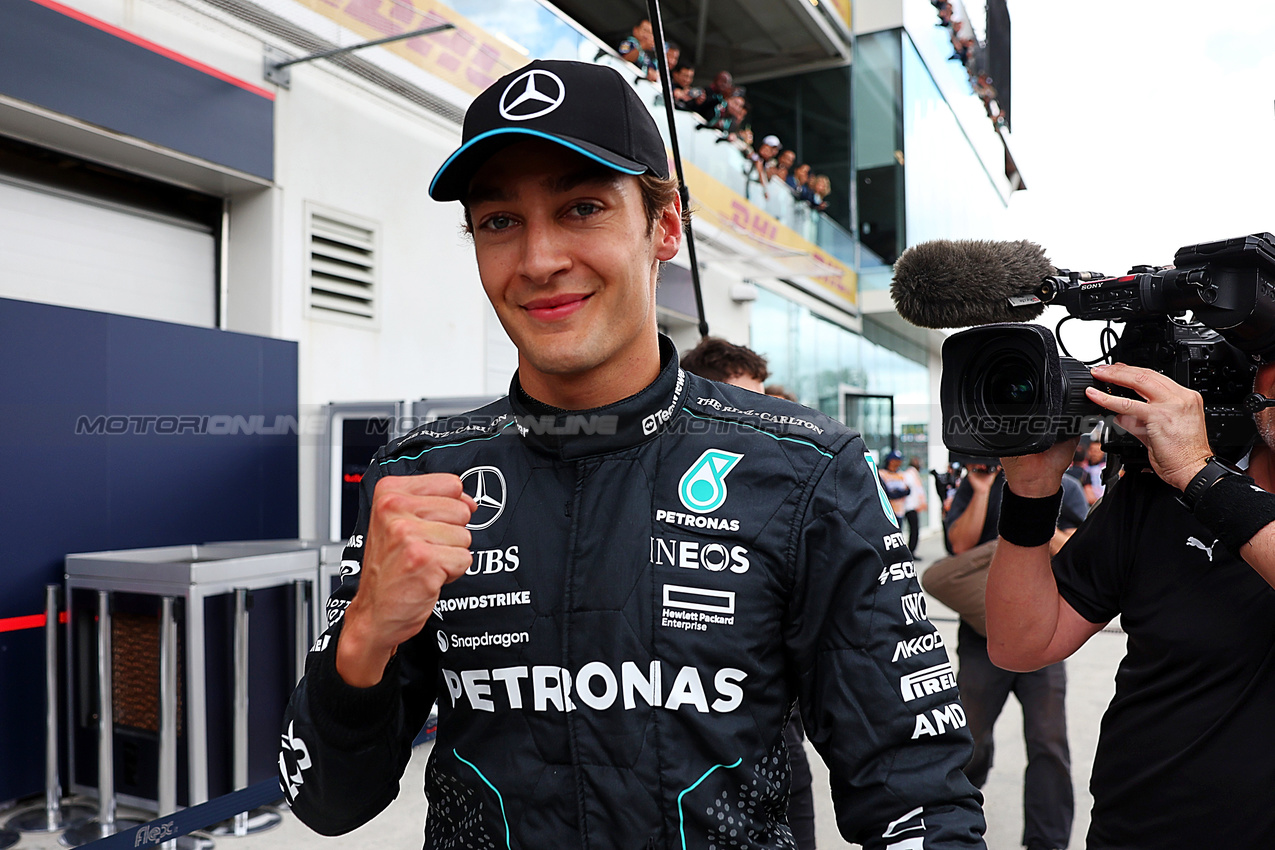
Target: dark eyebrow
[
  {"x": 589, "y": 174},
  {"x": 480, "y": 194}
]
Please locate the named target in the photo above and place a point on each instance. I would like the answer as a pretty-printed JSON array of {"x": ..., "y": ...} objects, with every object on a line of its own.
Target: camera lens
[{"x": 1008, "y": 385}]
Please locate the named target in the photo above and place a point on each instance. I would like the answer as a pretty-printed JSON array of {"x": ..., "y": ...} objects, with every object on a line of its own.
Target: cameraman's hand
[
  {"x": 981, "y": 477},
  {"x": 1170, "y": 423},
  {"x": 1039, "y": 475},
  {"x": 416, "y": 543}
]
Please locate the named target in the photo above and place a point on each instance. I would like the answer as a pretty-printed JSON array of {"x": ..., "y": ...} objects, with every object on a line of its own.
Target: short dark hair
[{"x": 718, "y": 360}]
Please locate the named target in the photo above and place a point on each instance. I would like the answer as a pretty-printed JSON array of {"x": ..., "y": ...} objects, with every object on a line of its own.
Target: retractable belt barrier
[{"x": 186, "y": 821}]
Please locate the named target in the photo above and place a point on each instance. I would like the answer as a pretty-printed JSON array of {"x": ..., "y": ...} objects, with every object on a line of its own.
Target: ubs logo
[
  {"x": 486, "y": 484},
  {"x": 532, "y": 95}
]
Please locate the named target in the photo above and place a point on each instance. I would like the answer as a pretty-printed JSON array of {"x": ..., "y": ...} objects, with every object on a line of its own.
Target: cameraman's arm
[
  {"x": 966, "y": 527},
  {"x": 1029, "y": 624},
  {"x": 1171, "y": 425}
]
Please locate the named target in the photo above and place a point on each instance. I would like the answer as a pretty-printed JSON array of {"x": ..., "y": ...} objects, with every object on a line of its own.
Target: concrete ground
[{"x": 1091, "y": 673}]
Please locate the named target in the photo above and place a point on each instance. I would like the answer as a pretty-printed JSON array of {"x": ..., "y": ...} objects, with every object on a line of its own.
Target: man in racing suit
[{"x": 617, "y": 580}]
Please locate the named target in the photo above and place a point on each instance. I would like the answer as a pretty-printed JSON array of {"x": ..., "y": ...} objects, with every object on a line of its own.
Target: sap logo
[
  {"x": 691, "y": 555},
  {"x": 488, "y": 561},
  {"x": 931, "y": 680},
  {"x": 917, "y": 645},
  {"x": 148, "y": 835},
  {"x": 894, "y": 541},
  {"x": 897, "y": 572},
  {"x": 355, "y": 541},
  {"x": 702, "y": 488},
  {"x": 914, "y": 608},
  {"x": 938, "y": 720}
]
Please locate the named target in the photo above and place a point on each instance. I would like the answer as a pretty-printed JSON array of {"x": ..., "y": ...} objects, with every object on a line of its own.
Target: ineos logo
[
  {"x": 532, "y": 95},
  {"x": 488, "y": 492}
]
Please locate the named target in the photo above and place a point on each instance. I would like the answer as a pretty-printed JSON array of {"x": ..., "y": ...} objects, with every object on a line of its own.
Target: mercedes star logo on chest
[
  {"x": 532, "y": 95},
  {"x": 486, "y": 484}
]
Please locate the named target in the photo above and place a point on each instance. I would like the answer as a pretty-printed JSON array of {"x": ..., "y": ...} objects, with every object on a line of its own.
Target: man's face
[
  {"x": 566, "y": 259},
  {"x": 767, "y": 151},
  {"x": 786, "y": 159},
  {"x": 671, "y": 55},
  {"x": 802, "y": 172},
  {"x": 1094, "y": 452},
  {"x": 723, "y": 82},
  {"x": 645, "y": 35},
  {"x": 684, "y": 77},
  {"x": 1264, "y": 384}
]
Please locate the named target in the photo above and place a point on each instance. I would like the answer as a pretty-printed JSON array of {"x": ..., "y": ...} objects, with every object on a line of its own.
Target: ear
[
  {"x": 1264, "y": 383},
  {"x": 668, "y": 231}
]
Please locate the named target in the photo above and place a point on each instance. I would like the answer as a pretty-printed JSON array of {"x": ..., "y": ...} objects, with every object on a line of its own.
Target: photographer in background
[
  {"x": 1048, "y": 797},
  {"x": 1184, "y": 552}
]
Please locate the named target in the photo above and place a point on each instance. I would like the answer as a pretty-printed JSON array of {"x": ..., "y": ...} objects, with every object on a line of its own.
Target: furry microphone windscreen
[{"x": 957, "y": 284}]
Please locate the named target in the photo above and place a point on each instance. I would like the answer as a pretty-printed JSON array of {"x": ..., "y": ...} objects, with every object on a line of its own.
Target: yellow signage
[
  {"x": 468, "y": 57},
  {"x": 758, "y": 226},
  {"x": 843, "y": 9}
]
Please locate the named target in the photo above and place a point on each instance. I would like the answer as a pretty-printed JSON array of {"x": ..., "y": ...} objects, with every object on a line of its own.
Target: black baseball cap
[{"x": 588, "y": 108}]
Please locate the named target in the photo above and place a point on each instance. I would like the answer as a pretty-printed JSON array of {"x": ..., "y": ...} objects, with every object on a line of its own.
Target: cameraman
[
  {"x": 1048, "y": 797},
  {"x": 1184, "y": 755}
]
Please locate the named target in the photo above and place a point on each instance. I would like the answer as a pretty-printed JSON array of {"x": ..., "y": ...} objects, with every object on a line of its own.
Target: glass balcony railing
[{"x": 540, "y": 31}]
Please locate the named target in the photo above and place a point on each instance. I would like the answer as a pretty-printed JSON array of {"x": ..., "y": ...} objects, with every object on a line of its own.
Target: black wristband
[
  {"x": 1028, "y": 522},
  {"x": 1235, "y": 509}
]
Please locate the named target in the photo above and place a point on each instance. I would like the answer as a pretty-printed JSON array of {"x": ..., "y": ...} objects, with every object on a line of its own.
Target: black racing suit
[{"x": 654, "y": 583}]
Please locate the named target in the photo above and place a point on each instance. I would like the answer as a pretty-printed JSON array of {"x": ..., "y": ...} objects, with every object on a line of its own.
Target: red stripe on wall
[
  {"x": 32, "y": 621},
  {"x": 153, "y": 47}
]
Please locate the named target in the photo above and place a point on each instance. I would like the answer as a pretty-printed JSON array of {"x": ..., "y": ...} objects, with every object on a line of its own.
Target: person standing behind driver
[
  {"x": 915, "y": 502},
  {"x": 896, "y": 485}
]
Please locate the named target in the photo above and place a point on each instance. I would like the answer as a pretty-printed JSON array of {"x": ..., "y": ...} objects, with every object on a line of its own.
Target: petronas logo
[
  {"x": 886, "y": 507},
  {"x": 703, "y": 486}
]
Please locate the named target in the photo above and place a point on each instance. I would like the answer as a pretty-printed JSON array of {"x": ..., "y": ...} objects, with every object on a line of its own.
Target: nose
[{"x": 544, "y": 252}]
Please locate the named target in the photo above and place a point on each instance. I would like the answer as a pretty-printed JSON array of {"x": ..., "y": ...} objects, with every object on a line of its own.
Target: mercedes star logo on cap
[
  {"x": 488, "y": 493},
  {"x": 531, "y": 95}
]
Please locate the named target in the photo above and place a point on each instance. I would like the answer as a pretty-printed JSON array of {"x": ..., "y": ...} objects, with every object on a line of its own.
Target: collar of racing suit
[{"x": 573, "y": 434}]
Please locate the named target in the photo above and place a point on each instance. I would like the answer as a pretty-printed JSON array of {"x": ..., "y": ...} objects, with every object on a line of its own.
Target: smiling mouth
[{"x": 556, "y": 307}]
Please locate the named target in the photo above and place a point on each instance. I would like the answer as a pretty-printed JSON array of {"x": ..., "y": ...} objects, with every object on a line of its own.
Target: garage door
[{"x": 59, "y": 247}]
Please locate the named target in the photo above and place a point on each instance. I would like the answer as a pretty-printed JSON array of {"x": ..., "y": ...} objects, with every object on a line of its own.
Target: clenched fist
[{"x": 416, "y": 543}]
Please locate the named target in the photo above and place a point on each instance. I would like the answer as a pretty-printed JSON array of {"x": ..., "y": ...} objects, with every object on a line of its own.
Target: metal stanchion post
[
  {"x": 167, "y": 793},
  {"x": 258, "y": 820},
  {"x": 106, "y": 822},
  {"x": 300, "y": 590},
  {"x": 54, "y": 815}
]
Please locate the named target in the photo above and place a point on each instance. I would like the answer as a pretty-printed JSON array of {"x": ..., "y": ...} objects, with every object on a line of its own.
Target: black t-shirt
[{"x": 1186, "y": 755}]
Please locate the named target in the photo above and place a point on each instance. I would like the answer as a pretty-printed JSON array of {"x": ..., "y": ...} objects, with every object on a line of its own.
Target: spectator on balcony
[
  {"x": 732, "y": 120},
  {"x": 823, "y": 188},
  {"x": 715, "y": 102},
  {"x": 685, "y": 93},
  {"x": 779, "y": 167},
  {"x": 639, "y": 48},
  {"x": 757, "y": 170},
  {"x": 672, "y": 54},
  {"x": 796, "y": 181}
]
